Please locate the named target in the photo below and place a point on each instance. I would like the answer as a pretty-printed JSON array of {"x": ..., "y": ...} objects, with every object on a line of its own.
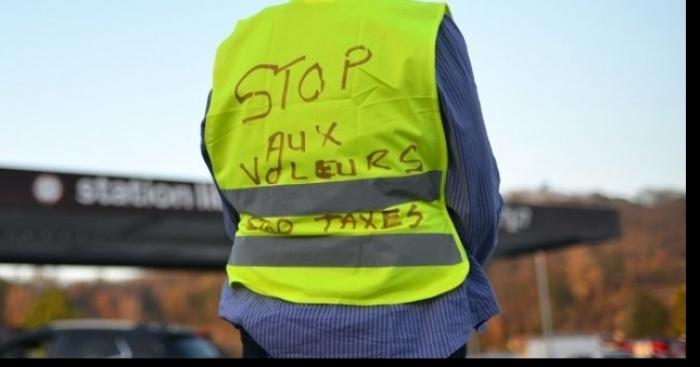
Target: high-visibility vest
[{"x": 324, "y": 133}]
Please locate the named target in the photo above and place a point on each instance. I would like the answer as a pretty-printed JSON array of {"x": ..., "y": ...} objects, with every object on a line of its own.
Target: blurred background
[{"x": 107, "y": 217}]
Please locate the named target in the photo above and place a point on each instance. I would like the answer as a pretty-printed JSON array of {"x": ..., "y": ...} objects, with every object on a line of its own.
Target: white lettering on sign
[
  {"x": 207, "y": 198},
  {"x": 515, "y": 219},
  {"x": 108, "y": 192},
  {"x": 47, "y": 189}
]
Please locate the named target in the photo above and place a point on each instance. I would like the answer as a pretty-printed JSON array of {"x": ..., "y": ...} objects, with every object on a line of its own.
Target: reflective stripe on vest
[
  {"x": 346, "y": 196},
  {"x": 347, "y": 251},
  {"x": 324, "y": 133}
]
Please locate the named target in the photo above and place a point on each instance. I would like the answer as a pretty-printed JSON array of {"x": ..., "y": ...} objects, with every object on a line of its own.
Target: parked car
[
  {"x": 565, "y": 346},
  {"x": 656, "y": 348},
  {"x": 109, "y": 339}
]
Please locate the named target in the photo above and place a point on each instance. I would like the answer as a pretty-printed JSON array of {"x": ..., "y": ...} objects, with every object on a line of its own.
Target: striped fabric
[{"x": 432, "y": 328}]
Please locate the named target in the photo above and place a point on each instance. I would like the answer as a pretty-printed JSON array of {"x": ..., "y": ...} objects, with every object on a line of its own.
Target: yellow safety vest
[{"x": 324, "y": 133}]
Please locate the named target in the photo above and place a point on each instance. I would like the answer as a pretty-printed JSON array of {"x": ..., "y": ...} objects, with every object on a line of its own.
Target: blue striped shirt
[{"x": 431, "y": 328}]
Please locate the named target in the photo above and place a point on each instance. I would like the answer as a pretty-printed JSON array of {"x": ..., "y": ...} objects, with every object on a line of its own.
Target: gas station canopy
[{"x": 85, "y": 219}]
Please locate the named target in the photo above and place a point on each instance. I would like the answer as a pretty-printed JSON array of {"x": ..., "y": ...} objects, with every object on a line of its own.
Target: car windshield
[
  {"x": 90, "y": 344},
  {"x": 191, "y": 347},
  {"x": 110, "y": 343}
]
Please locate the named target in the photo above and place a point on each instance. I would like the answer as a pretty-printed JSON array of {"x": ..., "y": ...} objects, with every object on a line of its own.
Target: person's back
[{"x": 325, "y": 137}]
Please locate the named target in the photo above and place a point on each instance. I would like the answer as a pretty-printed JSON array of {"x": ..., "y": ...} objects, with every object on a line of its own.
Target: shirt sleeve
[
  {"x": 231, "y": 217},
  {"x": 473, "y": 180}
]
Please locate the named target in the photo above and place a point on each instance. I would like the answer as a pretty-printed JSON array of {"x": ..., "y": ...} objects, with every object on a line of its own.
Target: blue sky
[{"x": 580, "y": 95}]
